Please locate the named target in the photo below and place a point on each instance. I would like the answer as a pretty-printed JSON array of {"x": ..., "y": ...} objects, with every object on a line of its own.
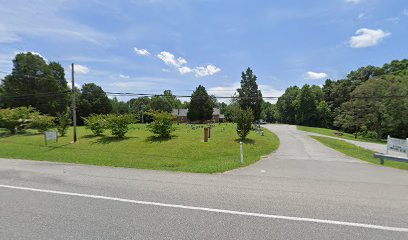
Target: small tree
[
  {"x": 15, "y": 119},
  {"x": 119, "y": 124},
  {"x": 162, "y": 124},
  {"x": 41, "y": 122},
  {"x": 96, "y": 123},
  {"x": 63, "y": 123},
  {"x": 244, "y": 119}
]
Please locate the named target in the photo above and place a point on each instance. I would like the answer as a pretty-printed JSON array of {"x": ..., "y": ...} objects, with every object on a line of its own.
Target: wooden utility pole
[{"x": 74, "y": 117}]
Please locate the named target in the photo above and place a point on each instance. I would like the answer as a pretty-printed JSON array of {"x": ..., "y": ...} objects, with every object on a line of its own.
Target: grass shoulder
[
  {"x": 354, "y": 151},
  {"x": 185, "y": 151},
  {"x": 334, "y": 133}
]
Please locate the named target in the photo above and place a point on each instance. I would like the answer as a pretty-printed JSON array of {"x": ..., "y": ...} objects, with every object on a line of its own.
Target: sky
[{"x": 147, "y": 46}]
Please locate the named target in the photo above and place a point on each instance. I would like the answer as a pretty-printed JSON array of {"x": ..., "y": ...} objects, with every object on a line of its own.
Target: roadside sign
[
  {"x": 50, "y": 136},
  {"x": 398, "y": 145}
]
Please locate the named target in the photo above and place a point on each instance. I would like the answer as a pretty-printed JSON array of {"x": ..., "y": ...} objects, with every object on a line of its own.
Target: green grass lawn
[
  {"x": 352, "y": 150},
  {"x": 185, "y": 152},
  {"x": 330, "y": 132}
]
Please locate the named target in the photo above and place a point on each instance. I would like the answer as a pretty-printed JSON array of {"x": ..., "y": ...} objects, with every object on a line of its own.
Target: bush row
[{"x": 17, "y": 120}]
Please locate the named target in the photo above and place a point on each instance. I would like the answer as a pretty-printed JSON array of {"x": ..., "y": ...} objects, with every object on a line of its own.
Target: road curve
[{"x": 303, "y": 191}]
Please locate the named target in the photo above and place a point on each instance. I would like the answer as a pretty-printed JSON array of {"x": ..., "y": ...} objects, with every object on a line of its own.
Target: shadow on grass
[
  {"x": 8, "y": 134},
  {"x": 107, "y": 140},
  {"x": 153, "y": 139},
  {"x": 246, "y": 140}
]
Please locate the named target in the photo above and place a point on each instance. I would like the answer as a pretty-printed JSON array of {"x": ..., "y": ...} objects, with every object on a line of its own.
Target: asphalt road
[{"x": 303, "y": 191}]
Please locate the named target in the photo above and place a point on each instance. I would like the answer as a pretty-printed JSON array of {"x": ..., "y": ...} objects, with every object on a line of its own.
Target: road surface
[{"x": 303, "y": 191}]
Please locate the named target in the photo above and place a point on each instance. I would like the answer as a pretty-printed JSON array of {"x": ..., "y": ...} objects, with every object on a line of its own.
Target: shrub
[
  {"x": 16, "y": 119},
  {"x": 63, "y": 123},
  {"x": 243, "y": 119},
  {"x": 119, "y": 124},
  {"x": 96, "y": 123},
  {"x": 41, "y": 122},
  {"x": 162, "y": 124}
]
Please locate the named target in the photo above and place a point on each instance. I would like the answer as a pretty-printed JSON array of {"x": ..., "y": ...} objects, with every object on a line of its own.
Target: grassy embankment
[
  {"x": 185, "y": 152},
  {"x": 354, "y": 151},
  {"x": 331, "y": 133}
]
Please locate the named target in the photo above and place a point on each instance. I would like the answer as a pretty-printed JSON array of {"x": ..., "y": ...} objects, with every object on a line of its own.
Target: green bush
[
  {"x": 243, "y": 118},
  {"x": 119, "y": 124},
  {"x": 162, "y": 124},
  {"x": 16, "y": 119},
  {"x": 96, "y": 123},
  {"x": 63, "y": 122},
  {"x": 41, "y": 122}
]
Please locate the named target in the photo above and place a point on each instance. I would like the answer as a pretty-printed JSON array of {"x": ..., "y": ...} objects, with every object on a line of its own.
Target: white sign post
[
  {"x": 242, "y": 152},
  {"x": 50, "y": 136}
]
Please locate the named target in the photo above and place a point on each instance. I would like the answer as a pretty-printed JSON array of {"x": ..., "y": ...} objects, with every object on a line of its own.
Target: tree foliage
[
  {"x": 201, "y": 106},
  {"x": 96, "y": 123},
  {"x": 369, "y": 100},
  {"x": 244, "y": 119},
  {"x": 249, "y": 95},
  {"x": 33, "y": 82},
  {"x": 93, "y": 100},
  {"x": 119, "y": 124},
  {"x": 162, "y": 124}
]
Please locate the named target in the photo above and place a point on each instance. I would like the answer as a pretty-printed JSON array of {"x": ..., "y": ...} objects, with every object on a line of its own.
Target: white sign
[
  {"x": 398, "y": 145},
  {"x": 50, "y": 136}
]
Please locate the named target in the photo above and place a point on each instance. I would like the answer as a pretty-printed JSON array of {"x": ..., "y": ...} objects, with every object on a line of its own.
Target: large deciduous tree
[
  {"x": 34, "y": 82},
  {"x": 249, "y": 95},
  {"x": 93, "y": 100},
  {"x": 201, "y": 105}
]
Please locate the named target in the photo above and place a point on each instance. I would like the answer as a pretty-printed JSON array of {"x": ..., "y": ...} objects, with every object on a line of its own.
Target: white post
[
  {"x": 406, "y": 146},
  {"x": 388, "y": 143},
  {"x": 242, "y": 152}
]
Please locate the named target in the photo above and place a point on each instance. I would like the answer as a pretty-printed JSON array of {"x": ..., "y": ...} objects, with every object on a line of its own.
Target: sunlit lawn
[
  {"x": 186, "y": 151},
  {"x": 354, "y": 151}
]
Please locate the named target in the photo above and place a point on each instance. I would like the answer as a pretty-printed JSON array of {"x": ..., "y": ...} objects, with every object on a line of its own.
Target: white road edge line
[{"x": 300, "y": 219}]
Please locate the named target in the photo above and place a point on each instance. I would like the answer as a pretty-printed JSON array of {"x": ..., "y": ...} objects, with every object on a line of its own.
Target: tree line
[
  {"x": 371, "y": 101},
  {"x": 36, "y": 83}
]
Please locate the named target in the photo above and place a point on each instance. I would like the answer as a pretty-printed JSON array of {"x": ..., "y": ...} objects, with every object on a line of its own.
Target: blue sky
[{"x": 153, "y": 45}]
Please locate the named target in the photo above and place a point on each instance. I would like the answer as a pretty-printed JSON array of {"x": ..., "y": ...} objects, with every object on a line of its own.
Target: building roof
[{"x": 182, "y": 112}]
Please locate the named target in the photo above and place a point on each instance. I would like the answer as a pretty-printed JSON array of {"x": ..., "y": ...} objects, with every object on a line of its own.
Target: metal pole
[
  {"x": 242, "y": 152},
  {"x": 388, "y": 144},
  {"x": 74, "y": 117}
]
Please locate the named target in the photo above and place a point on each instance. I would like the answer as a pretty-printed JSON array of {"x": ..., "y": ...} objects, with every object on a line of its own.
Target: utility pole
[{"x": 73, "y": 103}]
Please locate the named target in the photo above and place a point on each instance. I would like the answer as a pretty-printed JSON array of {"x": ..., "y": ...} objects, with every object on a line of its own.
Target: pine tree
[
  {"x": 249, "y": 95},
  {"x": 201, "y": 106}
]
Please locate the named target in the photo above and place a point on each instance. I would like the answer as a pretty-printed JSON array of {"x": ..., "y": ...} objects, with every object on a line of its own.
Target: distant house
[{"x": 181, "y": 114}]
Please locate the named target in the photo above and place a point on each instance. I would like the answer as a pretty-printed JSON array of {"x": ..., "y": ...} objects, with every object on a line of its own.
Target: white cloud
[
  {"x": 316, "y": 75},
  {"x": 354, "y": 1},
  {"x": 165, "y": 70},
  {"x": 179, "y": 64},
  {"x": 81, "y": 69},
  {"x": 171, "y": 60},
  {"x": 141, "y": 52},
  {"x": 405, "y": 12},
  {"x": 367, "y": 37},
  {"x": 361, "y": 16},
  {"x": 184, "y": 70},
  {"x": 124, "y": 76},
  {"x": 206, "y": 71}
]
